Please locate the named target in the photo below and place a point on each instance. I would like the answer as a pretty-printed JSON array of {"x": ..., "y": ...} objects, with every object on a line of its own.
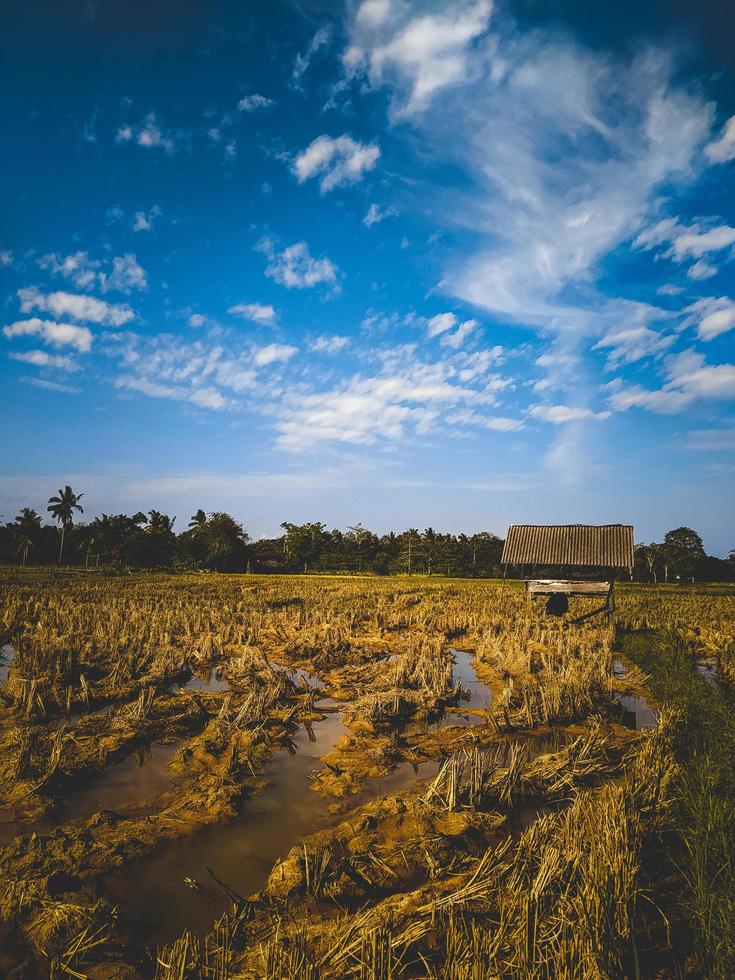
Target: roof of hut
[{"x": 585, "y": 545}]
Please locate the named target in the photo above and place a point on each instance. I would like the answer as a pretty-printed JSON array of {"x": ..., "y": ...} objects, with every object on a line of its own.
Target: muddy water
[
  {"x": 137, "y": 779},
  {"x": 210, "y": 680},
  {"x": 464, "y": 673},
  {"x": 172, "y": 890},
  {"x": 241, "y": 852},
  {"x": 7, "y": 656},
  {"x": 637, "y": 712}
]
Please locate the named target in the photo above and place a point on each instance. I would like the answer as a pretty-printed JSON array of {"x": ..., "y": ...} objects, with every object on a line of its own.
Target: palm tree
[
  {"x": 28, "y": 524},
  {"x": 62, "y": 509},
  {"x": 197, "y": 520},
  {"x": 24, "y": 546}
]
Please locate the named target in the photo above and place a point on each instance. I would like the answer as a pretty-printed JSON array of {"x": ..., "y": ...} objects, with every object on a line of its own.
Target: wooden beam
[{"x": 566, "y": 587}]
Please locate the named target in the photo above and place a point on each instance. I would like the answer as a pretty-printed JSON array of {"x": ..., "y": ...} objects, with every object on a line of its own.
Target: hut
[{"x": 588, "y": 555}]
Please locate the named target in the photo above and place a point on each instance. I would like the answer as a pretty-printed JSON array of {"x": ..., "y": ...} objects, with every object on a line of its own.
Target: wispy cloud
[
  {"x": 374, "y": 215},
  {"x": 120, "y": 273},
  {"x": 256, "y": 312},
  {"x": 273, "y": 353},
  {"x": 151, "y": 135},
  {"x": 690, "y": 379},
  {"x": 50, "y": 332},
  {"x": 420, "y": 54},
  {"x": 295, "y": 267},
  {"x": 250, "y": 103},
  {"x": 628, "y": 346},
  {"x": 336, "y": 161},
  {"x": 712, "y": 316},
  {"x": 40, "y": 358},
  {"x": 87, "y": 308},
  {"x": 329, "y": 345},
  {"x": 722, "y": 150}
]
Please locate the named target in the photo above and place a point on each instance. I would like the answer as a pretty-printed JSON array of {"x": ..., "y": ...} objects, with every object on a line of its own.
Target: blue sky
[{"x": 410, "y": 264}]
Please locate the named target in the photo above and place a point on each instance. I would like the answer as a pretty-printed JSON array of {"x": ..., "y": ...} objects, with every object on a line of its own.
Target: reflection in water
[
  {"x": 464, "y": 673},
  {"x": 211, "y": 680},
  {"x": 241, "y": 852},
  {"x": 636, "y": 712},
  {"x": 708, "y": 670},
  {"x": 140, "y": 777},
  {"x": 7, "y": 656}
]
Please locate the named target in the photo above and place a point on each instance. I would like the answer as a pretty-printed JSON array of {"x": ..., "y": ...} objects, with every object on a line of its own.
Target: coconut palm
[
  {"x": 24, "y": 546},
  {"x": 198, "y": 520},
  {"x": 62, "y": 509}
]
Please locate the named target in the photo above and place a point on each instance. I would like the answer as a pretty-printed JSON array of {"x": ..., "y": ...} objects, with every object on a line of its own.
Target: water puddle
[
  {"x": 211, "y": 680},
  {"x": 241, "y": 852},
  {"x": 708, "y": 670},
  {"x": 8, "y": 826},
  {"x": 464, "y": 673},
  {"x": 636, "y": 712},
  {"x": 137, "y": 779},
  {"x": 299, "y": 676},
  {"x": 7, "y": 657}
]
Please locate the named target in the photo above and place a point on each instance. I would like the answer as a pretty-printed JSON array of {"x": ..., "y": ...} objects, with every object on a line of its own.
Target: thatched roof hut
[{"x": 608, "y": 546}]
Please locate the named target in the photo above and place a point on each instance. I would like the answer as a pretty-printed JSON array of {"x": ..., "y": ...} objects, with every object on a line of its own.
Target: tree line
[{"x": 215, "y": 541}]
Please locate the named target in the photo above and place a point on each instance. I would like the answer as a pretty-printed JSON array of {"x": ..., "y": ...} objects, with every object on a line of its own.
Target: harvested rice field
[{"x": 230, "y": 776}]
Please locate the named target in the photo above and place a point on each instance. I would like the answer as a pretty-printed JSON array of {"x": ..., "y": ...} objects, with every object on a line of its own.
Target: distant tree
[
  {"x": 682, "y": 551},
  {"x": 224, "y": 541},
  {"x": 199, "y": 519},
  {"x": 24, "y": 546},
  {"x": 62, "y": 509}
]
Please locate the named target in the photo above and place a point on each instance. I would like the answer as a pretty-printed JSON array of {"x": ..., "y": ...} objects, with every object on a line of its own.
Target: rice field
[{"x": 228, "y": 776}]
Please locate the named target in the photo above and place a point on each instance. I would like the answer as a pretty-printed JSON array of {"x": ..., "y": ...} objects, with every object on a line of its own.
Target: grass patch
[{"x": 703, "y": 846}]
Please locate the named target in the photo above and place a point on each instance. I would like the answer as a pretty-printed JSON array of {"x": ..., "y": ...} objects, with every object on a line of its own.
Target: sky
[{"x": 456, "y": 264}]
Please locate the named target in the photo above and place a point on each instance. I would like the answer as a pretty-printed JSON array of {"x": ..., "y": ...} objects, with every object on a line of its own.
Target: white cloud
[
  {"x": 374, "y": 215},
  {"x": 421, "y": 54},
  {"x": 440, "y": 323},
  {"x": 497, "y": 423},
  {"x": 249, "y": 103},
  {"x": 143, "y": 221},
  {"x": 124, "y": 276},
  {"x": 88, "y": 308},
  {"x": 633, "y": 344},
  {"x": 338, "y": 161},
  {"x": 40, "y": 358},
  {"x": 53, "y": 386},
  {"x": 722, "y": 150},
  {"x": 256, "y": 312},
  {"x": 690, "y": 379},
  {"x": 713, "y": 316},
  {"x": 6, "y": 257},
  {"x": 56, "y": 334},
  {"x": 459, "y": 336},
  {"x": 564, "y": 151},
  {"x": 296, "y": 268},
  {"x": 197, "y": 320},
  {"x": 373, "y": 13},
  {"x": 473, "y": 366},
  {"x": 78, "y": 267},
  {"x": 164, "y": 366},
  {"x": 329, "y": 345},
  {"x": 405, "y": 398},
  {"x": 273, "y": 353},
  {"x": 150, "y": 135},
  {"x": 321, "y": 39},
  {"x": 681, "y": 242},
  {"x": 701, "y": 270},
  {"x": 559, "y": 414}
]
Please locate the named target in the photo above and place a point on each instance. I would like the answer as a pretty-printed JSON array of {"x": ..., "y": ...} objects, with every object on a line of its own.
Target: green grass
[{"x": 702, "y": 846}]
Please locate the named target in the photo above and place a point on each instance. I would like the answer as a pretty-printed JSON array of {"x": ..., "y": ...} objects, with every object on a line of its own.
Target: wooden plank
[{"x": 556, "y": 586}]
